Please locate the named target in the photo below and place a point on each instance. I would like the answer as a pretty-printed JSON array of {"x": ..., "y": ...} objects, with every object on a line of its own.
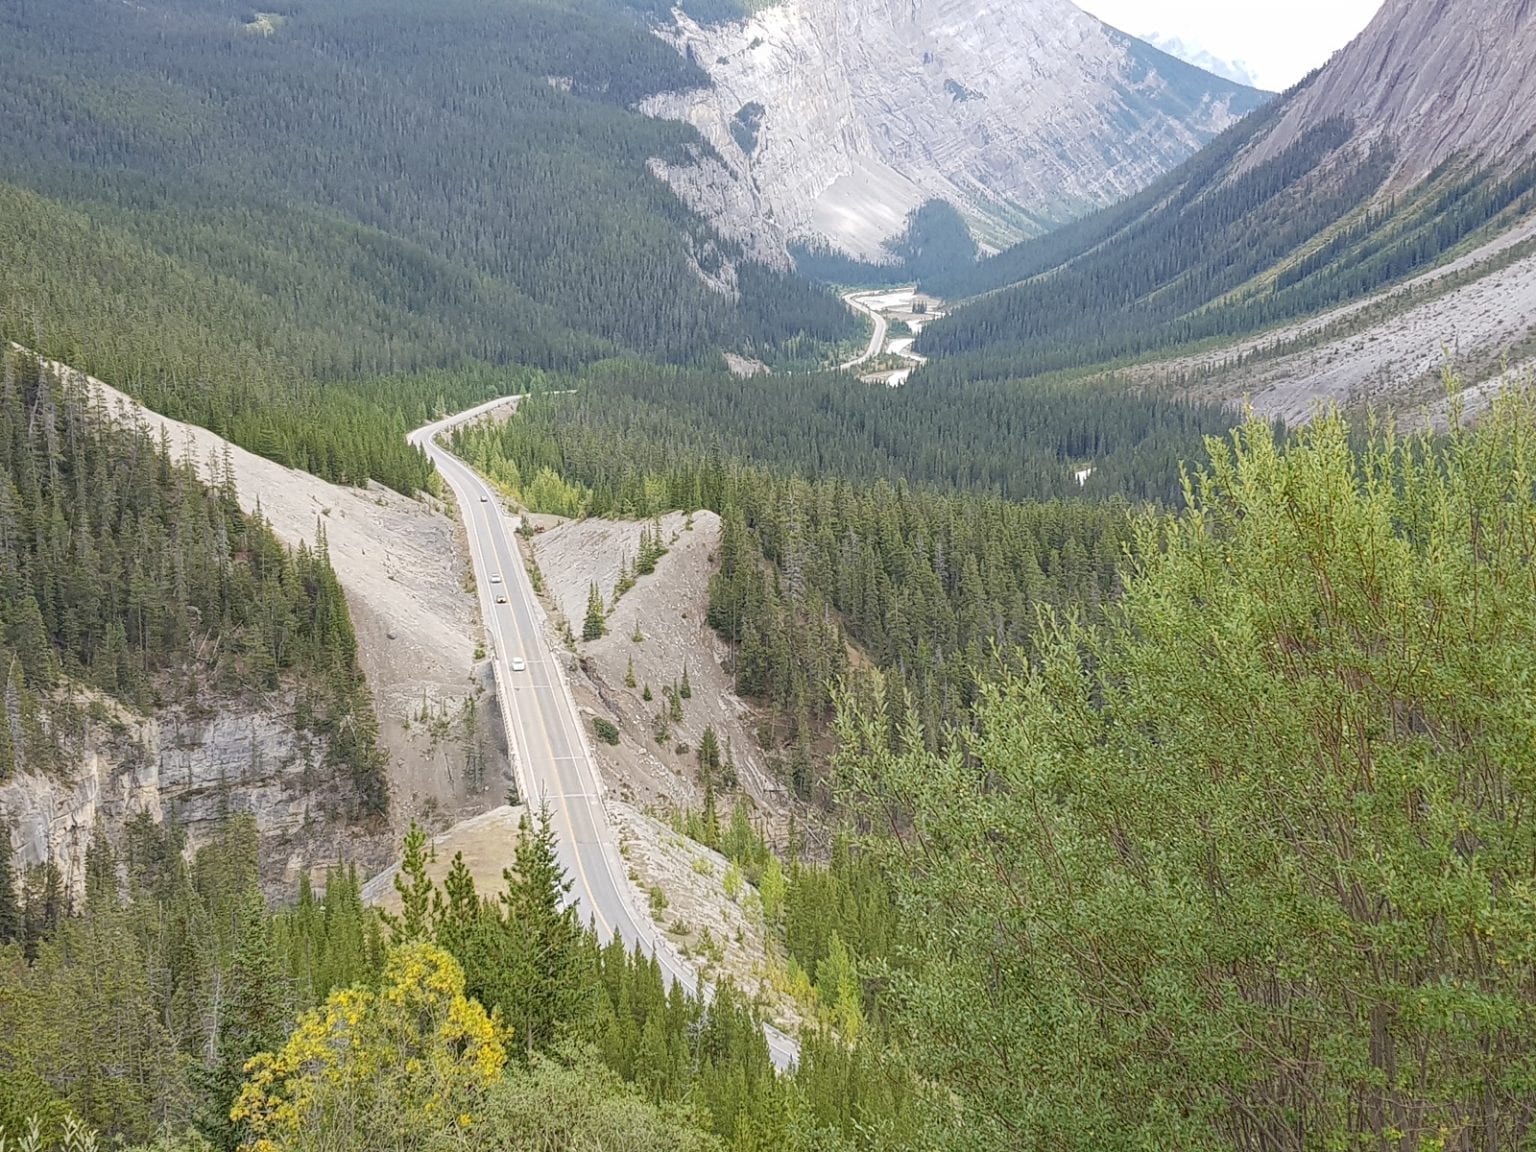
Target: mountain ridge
[
  {"x": 1438, "y": 80},
  {"x": 1021, "y": 115},
  {"x": 1364, "y": 177}
]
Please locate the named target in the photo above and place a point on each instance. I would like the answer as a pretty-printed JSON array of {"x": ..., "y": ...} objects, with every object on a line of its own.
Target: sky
[{"x": 1279, "y": 40}]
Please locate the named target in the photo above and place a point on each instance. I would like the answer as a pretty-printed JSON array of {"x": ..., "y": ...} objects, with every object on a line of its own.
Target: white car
[
  {"x": 485, "y": 499},
  {"x": 496, "y": 578},
  {"x": 518, "y": 665}
]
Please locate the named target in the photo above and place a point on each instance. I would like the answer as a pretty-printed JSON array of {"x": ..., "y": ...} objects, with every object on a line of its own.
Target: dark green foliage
[
  {"x": 927, "y": 583},
  {"x": 522, "y": 956},
  {"x": 122, "y": 569},
  {"x": 137, "y": 1011},
  {"x": 224, "y": 223},
  {"x": 849, "y": 899},
  {"x": 10, "y": 910},
  {"x": 1248, "y": 865},
  {"x": 709, "y": 755},
  {"x": 254, "y": 1017},
  {"x": 652, "y": 548},
  {"x": 606, "y": 730},
  {"x": 1018, "y": 441},
  {"x": 593, "y": 626}
]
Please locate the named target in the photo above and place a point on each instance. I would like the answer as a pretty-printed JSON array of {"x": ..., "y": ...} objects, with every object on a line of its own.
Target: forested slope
[
  {"x": 1241, "y": 862},
  {"x": 1353, "y": 181},
  {"x": 172, "y": 1010},
  {"x": 934, "y": 529},
  {"x": 121, "y": 570},
  {"x": 222, "y": 216},
  {"x": 1212, "y": 256}
]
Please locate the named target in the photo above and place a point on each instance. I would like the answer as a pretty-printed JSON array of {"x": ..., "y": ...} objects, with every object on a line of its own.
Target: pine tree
[
  {"x": 676, "y": 705},
  {"x": 709, "y": 755},
  {"x": 254, "y": 1018},
  {"x": 593, "y": 626},
  {"x": 456, "y": 910},
  {"x": 645, "y": 693},
  {"x": 543, "y": 985},
  {"x": 10, "y": 907},
  {"x": 685, "y": 690},
  {"x": 100, "y": 870},
  {"x": 711, "y": 814},
  {"x": 415, "y": 889},
  {"x": 629, "y": 674}
]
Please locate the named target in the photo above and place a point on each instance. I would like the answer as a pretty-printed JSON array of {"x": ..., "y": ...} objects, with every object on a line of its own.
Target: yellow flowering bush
[{"x": 376, "y": 1069}]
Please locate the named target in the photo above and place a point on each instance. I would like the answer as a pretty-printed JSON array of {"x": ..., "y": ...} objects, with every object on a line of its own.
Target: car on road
[
  {"x": 518, "y": 664},
  {"x": 495, "y": 577},
  {"x": 501, "y": 599},
  {"x": 485, "y": 499}
]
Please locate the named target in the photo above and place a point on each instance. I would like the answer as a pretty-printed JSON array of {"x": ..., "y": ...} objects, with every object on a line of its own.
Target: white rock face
[
  {"x": 1234, "y": 70},
  {"x": 1436, "y": 79},
  {"x": 840, "y": 116},
  {"x": 229, "y": 757}
]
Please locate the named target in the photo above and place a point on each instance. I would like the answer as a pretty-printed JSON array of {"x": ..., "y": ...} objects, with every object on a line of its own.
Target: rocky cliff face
[
  {"x": 1434, "y": 78},
  {"x": 838, "y": 117},
  {"x": 228, "y": 756}
]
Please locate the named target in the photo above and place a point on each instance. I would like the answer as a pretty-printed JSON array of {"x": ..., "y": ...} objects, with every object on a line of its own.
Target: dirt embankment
[
  {"x": 488, "y": 843},
  {"x": 715, "y": 920},
  {"x": 668, "y": 608}
]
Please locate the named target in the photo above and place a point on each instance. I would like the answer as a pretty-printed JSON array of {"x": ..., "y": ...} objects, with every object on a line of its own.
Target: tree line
[
  {"x": 232, "y": 230},
  {"x": 229, "y": 1026}
]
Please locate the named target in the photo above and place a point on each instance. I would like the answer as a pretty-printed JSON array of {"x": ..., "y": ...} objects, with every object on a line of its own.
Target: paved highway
[
  {"x": 876, "y": 338},
  {"x": 553, "y": 759}
]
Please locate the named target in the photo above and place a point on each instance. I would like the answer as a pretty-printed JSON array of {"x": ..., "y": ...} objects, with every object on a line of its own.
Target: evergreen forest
[
  {"x": 245, "y": 220},
  {"x": 1146, "y": 777},
  {"x": 125, "y": 578},
  {"x": 1213, "y": 251},
  {"x": 1237, "y": 860}
]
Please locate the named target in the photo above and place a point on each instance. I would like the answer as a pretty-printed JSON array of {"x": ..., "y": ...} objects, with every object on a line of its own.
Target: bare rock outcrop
[
  {"x": 837, "y": 117},
  {"x": 226, "y": 756},
  {"x": 1437, "y": 79}
]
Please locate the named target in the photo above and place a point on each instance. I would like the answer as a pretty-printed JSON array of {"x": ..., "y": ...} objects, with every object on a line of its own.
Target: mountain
[
  {"x": 1233, "y": 70},
  {"x": 1436, "y": 80},
  {"x": 833, "y": 119},
  {"x": 354, "y": 189},
  {"x": 1402, "y": 173}
]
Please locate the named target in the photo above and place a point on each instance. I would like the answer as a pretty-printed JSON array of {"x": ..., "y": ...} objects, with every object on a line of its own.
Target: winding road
[
  {"x": 876, "y": 339},
  {"x": 553, "y": 760}
]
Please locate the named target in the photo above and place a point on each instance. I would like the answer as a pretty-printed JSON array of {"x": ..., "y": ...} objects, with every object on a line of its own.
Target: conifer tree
[
  {"x": 685, "y": 689},
  {"x": 254, "y": 1018},
  {"x": 629, "y": 674},
  {"x": 593, "y": 626},
  {"x": 10, "y": 907},
  {"x": 709, "y": 755},
  {"x": 543, "y": 986},
  {"x": 415, "y": 889}
]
